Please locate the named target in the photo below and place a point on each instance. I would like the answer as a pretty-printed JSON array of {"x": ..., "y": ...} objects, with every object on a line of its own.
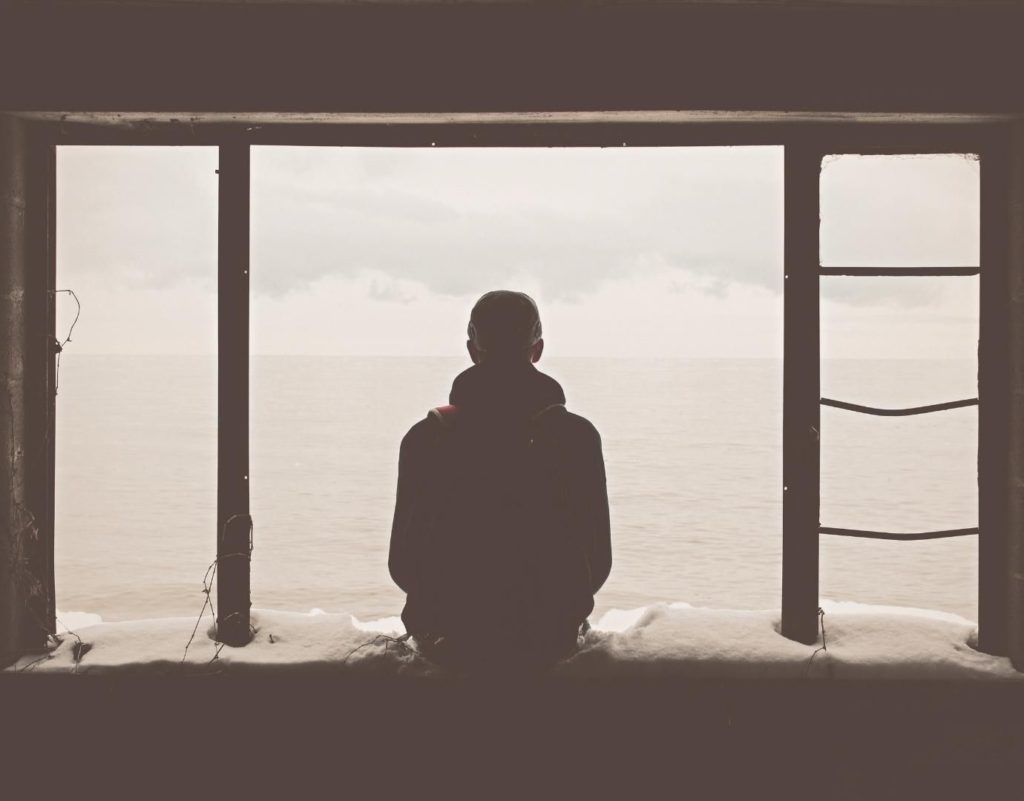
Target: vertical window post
[
  {"x": 997, "y": 359},
  {"x": 1014, "y": 362},
  {"x": 234, "y": 526},
  {"x": 27, "y": 181},
  {"x": 801, "y": 396},
  {"x": 40, "y": 369}
]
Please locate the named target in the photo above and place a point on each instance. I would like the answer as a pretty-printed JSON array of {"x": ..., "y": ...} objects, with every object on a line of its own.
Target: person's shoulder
[
  {"x": 547, "y": 386},
  {"x": 574, "y": 426},
  {"x": 421, "y": 433},
  {"x": 583, "y": 427}
]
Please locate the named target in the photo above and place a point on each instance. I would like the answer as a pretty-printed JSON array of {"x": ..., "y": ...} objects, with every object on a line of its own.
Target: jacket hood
[{"x": 520, "y": 390}]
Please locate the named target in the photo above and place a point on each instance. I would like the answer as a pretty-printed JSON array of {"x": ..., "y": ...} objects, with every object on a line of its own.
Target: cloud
[
  {"x": 389, "y": 291},
  {"x": 138, "y": 217},
  {"x": 459, "y": 222},
  {"x": 455, "y": 236},
  {"x": 455, "y": 221},
  {"x": 897, "y": 211}
]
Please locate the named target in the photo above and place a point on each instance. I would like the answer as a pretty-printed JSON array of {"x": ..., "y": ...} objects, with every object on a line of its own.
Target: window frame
[{"x": 805, "y": 143}]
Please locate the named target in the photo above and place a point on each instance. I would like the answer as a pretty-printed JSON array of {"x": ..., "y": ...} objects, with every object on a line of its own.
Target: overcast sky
[{"x": 654, "y": 251}]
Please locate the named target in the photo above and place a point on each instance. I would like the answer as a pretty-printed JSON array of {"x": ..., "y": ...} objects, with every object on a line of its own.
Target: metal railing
[{"x": 904, "y": 412}]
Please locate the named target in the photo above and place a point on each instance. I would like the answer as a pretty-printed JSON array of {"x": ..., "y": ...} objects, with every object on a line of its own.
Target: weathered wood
[
  {"x": 233, "y": 522},
  {"x": 801, "y": 395},
  {"x": 26, "y": 361},
  {"x": 611, "y": 129},
  {"x": 1014, "y": 356},
  {"x": 141, "y": 120},
  {"x": 994, "y": 369},
  {"x": 40, "y": 367}
]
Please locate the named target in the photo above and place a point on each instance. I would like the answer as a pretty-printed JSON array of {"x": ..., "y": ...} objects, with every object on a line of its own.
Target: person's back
[{"x": 501, "y": 533}]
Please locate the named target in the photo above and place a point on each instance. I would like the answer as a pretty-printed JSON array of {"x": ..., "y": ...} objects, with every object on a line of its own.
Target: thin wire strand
[
  {"x": 824, "y": 642},
  {"x": 208, "y": 580},
  {"x": 388, "y": 641},
  {"x": 67, "y": 339}
]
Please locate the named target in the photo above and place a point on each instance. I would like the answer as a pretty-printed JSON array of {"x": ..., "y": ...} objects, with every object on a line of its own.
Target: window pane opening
[
  {"x": 136, "y": 428},
  {"x": 900, "y": 211},
  {"x": 900, "y": 343},
  {"x": 658, "y": 273},
  {"x": 675, "y": 296}
]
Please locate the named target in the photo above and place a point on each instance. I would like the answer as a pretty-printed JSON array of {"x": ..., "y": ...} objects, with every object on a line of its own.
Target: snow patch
[
  {"x": 618, "y": 619},
  {"x": 664, "y": 639},
  {"x": 386, "y": 625},
  {"x": 72, "y": 621}
]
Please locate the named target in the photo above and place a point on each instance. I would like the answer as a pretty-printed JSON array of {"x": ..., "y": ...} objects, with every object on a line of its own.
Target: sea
[{"x": 693, "y": 452}]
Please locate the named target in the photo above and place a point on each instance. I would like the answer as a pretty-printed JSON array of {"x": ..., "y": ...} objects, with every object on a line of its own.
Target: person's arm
[
  {"x": 402, "y": 559},
  {"x": 592, "y": 505}
]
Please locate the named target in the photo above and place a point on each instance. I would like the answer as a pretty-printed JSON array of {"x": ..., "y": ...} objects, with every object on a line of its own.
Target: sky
[{"x": 629, "y": 252}]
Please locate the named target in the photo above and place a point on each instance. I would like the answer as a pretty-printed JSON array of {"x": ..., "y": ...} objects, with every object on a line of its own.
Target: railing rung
[
  {"x": 892, "y": 535},
  {"x": 901, "y": 272},
  {"x": 937, "y": 407}
]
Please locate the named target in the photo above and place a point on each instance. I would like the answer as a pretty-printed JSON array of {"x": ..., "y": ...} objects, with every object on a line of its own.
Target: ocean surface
[{"x": 693, "y": 450}]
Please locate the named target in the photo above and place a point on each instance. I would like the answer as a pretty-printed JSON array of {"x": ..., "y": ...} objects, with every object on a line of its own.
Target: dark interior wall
[
  {"x": 293, "y": 735},
  {"x": 313, "y": 58},
  {"x": 492, "y": 57}
]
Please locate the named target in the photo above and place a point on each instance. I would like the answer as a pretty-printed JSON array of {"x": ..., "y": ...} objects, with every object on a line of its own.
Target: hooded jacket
[{"x": 501, "y": 532}]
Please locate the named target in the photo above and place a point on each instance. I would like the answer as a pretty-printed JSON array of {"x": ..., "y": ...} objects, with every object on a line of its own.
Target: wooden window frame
[
  {"x": 801, "y": 367},
  {"x": 804, "y": 145}
]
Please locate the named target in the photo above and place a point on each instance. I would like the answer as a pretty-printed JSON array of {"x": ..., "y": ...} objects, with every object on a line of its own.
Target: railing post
[
  {"x": 801, "y": 395},
  {"x": 994, "y": 367},
  {"x": 1013, "y": 357},
  {"x": 233, "y": 522}
]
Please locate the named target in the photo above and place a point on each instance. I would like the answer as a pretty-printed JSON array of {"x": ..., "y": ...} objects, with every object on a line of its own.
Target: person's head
[{"x": 504, "y": 327}]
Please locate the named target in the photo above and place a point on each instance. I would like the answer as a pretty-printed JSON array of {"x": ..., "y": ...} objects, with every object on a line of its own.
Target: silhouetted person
[{"x": 501, "y": 534}]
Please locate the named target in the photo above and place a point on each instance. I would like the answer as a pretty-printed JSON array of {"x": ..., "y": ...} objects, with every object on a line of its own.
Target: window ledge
[{"x": 665, "y": 640}]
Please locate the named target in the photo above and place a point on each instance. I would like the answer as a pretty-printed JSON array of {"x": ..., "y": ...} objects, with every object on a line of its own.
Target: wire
[
  {"x": 67, "y": 339},
  {"x": 211, "y": 573},
  {"x": 78, "y": 650},
  {"x": 388, "y": 641},
  {"x": 208, "y": 579},
  {"x": 824, "y": 642}
]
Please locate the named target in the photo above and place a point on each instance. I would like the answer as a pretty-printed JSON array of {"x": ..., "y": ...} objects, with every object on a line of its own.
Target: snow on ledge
[{"x": 661, "y": 640}]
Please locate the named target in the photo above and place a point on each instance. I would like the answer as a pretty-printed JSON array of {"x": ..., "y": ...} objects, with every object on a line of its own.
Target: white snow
[
  {"x": 665, "y": 639},
  {"x": 76, "y": 620}
]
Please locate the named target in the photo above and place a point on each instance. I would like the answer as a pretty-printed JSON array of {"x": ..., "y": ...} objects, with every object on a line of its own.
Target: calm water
[{"x": 693, "y": 453}]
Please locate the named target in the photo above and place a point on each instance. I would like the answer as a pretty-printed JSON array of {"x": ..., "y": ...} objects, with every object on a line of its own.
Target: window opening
[
  {"x": 661, "y": 323},
  {"x": 888, "y": 222},
  {"x": 136, "y": 423}
]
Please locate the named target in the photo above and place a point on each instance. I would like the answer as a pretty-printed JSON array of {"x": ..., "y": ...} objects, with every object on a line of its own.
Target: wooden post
[
  {"x": 994, "y": 368},
  {"x": 41, "y": 364},
  {"x": 801, "y": 396},
  {"x": 233, "y": 521},
  {"x": 27, "y": 170},
  {"x": 1014, "y": 362}
]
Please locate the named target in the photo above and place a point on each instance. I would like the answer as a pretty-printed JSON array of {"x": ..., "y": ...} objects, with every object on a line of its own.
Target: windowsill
[{"x": 863, "y": 642}]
